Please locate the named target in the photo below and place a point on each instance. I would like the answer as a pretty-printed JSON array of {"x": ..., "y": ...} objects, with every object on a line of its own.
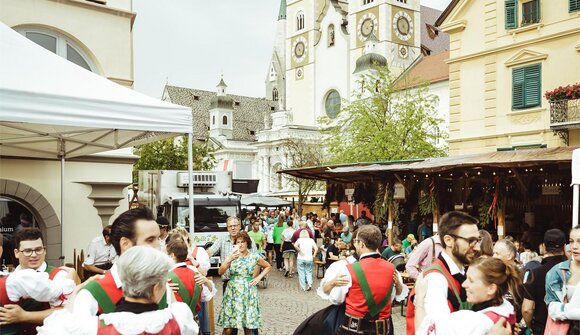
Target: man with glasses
[
  {"x": 225, "y": 245},
  {"x": 438, "y": 291},
  {"x": 31, "y": 253}
]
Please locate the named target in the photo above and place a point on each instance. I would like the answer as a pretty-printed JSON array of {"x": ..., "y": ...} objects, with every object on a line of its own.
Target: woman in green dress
[{"x": 241, "y": 304}]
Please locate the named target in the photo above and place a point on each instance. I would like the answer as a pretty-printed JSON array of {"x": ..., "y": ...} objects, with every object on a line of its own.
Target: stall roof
[
  {"x": 499, "y": 159},
  {"x": 50, "y": 107}
]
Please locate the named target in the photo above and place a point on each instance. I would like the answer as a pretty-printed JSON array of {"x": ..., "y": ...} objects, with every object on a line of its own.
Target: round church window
[{"x": 332, "y": 104}]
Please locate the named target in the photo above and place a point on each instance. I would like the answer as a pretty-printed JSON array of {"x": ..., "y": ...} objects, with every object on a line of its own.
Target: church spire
[
  {"x": 221, "y": 87},
  {"x": 282, "y": 12}
]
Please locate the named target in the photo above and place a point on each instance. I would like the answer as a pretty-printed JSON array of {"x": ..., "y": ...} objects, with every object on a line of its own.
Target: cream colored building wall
[
  {"x": 480, "y": 78},
  {"x": 103, "y": 32},
  {"x": 81, "y": 221}
]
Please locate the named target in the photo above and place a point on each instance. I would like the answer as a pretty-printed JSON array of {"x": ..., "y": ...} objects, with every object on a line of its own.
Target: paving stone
[{"x": 285, "y": 305}]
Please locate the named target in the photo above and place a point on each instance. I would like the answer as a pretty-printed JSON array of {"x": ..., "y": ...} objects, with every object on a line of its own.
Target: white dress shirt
[
  {"x": 63, "y": 322},
  {"x": 99, "y": 252},
  {"x": 60, "y": 279},
  {"x": 202, "y": 258},
  {"x": 436, "y": 295},
  {"x": 29, "y": 283},
  {"x": 338, "y": 293}
]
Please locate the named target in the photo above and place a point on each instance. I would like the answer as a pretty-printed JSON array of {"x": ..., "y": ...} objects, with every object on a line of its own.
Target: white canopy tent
[{"x": 51, "y": 108}]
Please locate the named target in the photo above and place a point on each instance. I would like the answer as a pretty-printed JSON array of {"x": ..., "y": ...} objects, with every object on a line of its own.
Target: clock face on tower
[
  {"x": 403, "y": 26},
  {"x": 367, "y": 24},
  {"x": 300, "y": 49}
]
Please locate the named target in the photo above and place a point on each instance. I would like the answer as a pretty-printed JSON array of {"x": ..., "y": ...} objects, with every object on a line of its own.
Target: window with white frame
[
  {"x": 366, "y": 2},
  {"x": 60, "y": 45},
  {"x": 300, "y": 20},
  {"x": 402, "y": 1},
  {"x": 275, "y": 94}
]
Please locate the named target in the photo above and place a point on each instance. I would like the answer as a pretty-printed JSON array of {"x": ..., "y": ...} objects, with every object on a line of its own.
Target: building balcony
[{"x": 564, "y": 115}]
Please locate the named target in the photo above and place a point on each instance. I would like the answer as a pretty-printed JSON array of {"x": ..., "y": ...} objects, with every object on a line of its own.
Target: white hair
[
  {"x": 140, "y": 268},
  {"x": 304, "y": 234}
]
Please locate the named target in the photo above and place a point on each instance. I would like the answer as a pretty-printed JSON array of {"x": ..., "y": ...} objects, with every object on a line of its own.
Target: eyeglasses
[
  {"x": 233, "y": 225},
  {"x": 356, "y": 240},
  {"x": 28, "y": 252},
  {"x": 472, "y": 240}
]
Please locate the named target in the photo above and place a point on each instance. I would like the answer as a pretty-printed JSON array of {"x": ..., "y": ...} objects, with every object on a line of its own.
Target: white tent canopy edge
[{"x": 52, "y": 108}]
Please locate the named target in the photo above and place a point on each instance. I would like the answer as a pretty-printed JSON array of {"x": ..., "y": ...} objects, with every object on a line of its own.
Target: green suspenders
[{"x": 184, "y": 293}]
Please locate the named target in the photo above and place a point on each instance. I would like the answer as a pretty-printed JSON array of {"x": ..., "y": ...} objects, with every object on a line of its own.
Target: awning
[
  {"x": 501, "y": 159},
  {"x": 256, "y": 199},
  {"x": 50, "y": 107}
]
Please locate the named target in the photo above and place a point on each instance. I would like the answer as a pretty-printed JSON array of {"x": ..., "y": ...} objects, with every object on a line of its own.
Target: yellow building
[
  {"x": 504, "y": 55},
  {"x": 96, "y": 35}
]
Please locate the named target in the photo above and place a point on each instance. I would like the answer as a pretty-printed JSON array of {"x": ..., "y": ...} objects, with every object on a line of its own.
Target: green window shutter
[
  {"x": 518, "y": 77},
  {"x": 511, "y": 14},
  {"x": 538, "y": 15},
  {"x": 573, "y": 5},
  {"x": 533, "y": 86}
]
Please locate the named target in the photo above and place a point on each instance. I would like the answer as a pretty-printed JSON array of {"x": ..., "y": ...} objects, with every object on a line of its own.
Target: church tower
[
  {"x": 395, "y": 25},
  {"x": 221, "y": 114},
  {"x": 275, "y": 78}
]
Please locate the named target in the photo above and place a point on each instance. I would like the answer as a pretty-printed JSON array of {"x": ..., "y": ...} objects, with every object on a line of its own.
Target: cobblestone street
[{"x": 285, "y": 305}]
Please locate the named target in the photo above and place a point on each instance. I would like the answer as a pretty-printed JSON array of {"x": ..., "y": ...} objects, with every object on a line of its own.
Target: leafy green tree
[
  {"x": 302, "y": 153},
  {"x": 171, "y": 154},
  {"x": 384, "y": 123}
]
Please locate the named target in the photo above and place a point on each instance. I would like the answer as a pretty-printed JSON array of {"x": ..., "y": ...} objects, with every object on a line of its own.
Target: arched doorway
[{"x": 18, "y": 199}]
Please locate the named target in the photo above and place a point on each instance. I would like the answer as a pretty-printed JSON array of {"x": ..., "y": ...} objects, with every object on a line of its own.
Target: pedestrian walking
[
  {"x": 534, "y": 308},
  {"x": 306, "y": 248},
  {"x": 562, "y": 293},
  {"x": 287, "y": 249}
]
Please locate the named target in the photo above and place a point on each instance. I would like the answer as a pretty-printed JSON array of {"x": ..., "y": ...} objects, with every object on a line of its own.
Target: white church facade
[{"x": 321, "y": 49}]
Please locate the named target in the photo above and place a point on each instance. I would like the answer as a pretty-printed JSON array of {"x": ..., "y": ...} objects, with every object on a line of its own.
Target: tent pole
[
  {"x": 190, "y": 173},
  {"x": 62, "y": 204},
  {"x": 576, "y": 199}
]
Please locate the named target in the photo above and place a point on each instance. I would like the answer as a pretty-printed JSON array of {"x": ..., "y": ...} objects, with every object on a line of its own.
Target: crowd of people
[{"x": 146, "y": 279}]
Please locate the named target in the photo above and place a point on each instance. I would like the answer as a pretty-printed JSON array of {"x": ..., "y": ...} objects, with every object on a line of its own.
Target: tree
[
  {"x": 301, "y": 153},
  {"x": 171, "y": 154},
  {"x": 384, "y": 122}
]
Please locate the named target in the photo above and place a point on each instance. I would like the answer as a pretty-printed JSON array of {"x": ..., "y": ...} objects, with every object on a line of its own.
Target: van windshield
[{"x": 207, "y": 218}]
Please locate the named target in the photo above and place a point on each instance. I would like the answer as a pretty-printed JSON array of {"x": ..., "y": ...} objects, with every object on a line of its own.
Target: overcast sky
[{"x": 190, "y": 43}]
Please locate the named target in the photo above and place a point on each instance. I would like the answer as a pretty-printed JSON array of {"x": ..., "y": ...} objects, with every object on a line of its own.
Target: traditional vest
[
  {"x": 12, "y": 329},
  {"x": 452, "y": 285},
  {"x": 379, "y": 276},
  {"x": 171, "y": 328},
  {"x": 32, "y": 305},
  {"x": 107, "y": 294},
  {"x": 4, "y": 300},
  {"x": 189, "y": 292}
]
